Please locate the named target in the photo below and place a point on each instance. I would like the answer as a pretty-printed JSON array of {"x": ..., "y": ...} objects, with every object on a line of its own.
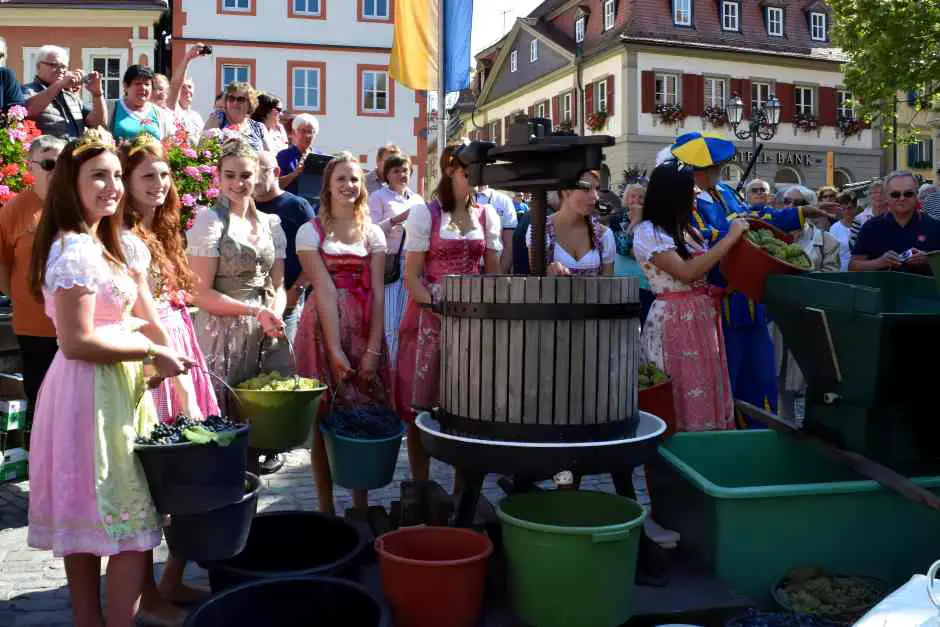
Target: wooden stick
[{"x": 883, "y": 475}]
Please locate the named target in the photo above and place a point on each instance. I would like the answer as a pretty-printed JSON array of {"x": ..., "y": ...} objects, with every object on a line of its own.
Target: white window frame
[
  {"x": 757, "y": 99},
  {"x": 921, "y": 152},
  {"x": 818, "y": 26},
  {"x": 493, "y": 130},
  {"x": 566, "y": 108},
  {"x": 802, "y": 93},
  {"x": 388, "y": 93},
  {"x": 600, "y": 96},
  {"x": 775, "y": 18},
  {"x": 843, "y": 110},
  {"x": 609, "y": 14},
  {"x": 30, "y": 59},
  {"x": 731, "y": 15},
  {"x": 579, "y": 30},
  {"x": 319, "y": 82},
  {"x": 90, "y": 53},
  {"x": 234, "y": 66},
  {"x": 374, "y": 15},
  {"x": 226, "y": 6},
  {"x": 513, "y": 60},
  {"x": 682, "y": 12},
  {"x": 665, "y": 97},
  {"x": 710, "y": 99},
  {"x": 533, "y": 51}
]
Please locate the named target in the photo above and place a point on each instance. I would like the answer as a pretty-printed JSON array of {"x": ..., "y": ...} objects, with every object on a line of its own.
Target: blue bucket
[{"x": 359, "y": 463}]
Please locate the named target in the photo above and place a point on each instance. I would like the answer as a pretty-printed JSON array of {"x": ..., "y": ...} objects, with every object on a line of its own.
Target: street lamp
[{"x": 762, "y": 123}]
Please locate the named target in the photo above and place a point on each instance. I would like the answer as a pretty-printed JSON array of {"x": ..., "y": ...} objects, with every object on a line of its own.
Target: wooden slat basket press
[{"x": 540, "y": 358}]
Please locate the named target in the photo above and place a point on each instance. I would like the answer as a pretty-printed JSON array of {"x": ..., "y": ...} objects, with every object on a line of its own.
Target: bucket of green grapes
[{"x": 281, "y": 410}]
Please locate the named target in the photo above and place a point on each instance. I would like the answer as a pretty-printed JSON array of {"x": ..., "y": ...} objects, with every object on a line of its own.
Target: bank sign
[{"x": 806, "y": 159}]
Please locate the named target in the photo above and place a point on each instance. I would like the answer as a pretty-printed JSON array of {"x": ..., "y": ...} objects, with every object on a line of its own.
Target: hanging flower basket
[
  {"x": 597, "y": 121},
  {"x": 805, "y": 122},
  {"x": 194, "y": 171},
  {"x": 850, "y": 126},
  {"x": 716, "y": 116},
  {"x": 670, "y": 114}
]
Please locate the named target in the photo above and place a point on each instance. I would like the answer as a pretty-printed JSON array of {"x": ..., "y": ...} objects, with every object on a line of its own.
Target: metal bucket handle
[{"x": 224, "y": 383}]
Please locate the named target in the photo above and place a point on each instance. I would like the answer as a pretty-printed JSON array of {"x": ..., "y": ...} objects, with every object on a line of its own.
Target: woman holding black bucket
[
  {"x": 451, "y": 235},
  {"x": 89, "y": 497},
  {"x": 341, "y": 335}
]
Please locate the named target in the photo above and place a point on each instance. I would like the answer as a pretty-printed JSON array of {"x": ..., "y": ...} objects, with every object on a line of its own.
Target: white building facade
[{"x": 328, "y": 58}]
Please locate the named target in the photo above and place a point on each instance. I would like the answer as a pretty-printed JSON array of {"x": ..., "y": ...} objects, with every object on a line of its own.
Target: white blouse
[
  {"x": 385, "y": 204},
  {"x": 203, "y": 238},
  {"x": 308, "y": 240},
  {"x": 418, "y": 227},
  {"x": 592, "y": 259}
]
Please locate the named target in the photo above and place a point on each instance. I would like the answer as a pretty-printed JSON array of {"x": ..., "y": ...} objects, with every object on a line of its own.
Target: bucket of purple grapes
[
  {"x": 362, "y": 444},
  {"x": 194, "y": 466}
]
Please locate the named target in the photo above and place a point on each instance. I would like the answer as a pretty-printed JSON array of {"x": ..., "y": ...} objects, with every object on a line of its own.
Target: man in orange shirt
[{"x": 18, "y": 220}]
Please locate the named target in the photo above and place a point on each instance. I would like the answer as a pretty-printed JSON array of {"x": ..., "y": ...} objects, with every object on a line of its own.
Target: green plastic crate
[{"x": 753, "y": 505}]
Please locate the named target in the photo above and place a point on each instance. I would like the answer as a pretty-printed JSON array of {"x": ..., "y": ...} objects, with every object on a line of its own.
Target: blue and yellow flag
[{"x": 416, "y": 54}]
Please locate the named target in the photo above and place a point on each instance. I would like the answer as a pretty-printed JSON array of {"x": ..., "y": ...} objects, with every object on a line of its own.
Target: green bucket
[
  {"x": 281, "y": 420},
  {"x": 572, "y": 556}
]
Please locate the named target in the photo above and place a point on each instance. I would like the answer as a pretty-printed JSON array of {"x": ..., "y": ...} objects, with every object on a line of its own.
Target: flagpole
[{"x": 441, "y": 96}]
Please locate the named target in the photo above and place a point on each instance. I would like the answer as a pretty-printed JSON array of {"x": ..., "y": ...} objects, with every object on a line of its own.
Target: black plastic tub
[
  {"x": 190, "y": 478},
  {"x": 217, "y": 534},
  {"x": 293, "y": 601},
  {"x": 292, "y": 544}
]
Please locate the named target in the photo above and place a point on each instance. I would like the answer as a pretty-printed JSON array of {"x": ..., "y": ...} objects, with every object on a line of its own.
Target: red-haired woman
[
  {"x": 341, "y": 335},
  {"x": 451, "y": 235}
]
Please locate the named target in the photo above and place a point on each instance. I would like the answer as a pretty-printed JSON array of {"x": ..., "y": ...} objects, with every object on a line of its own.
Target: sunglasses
[
  {"x": 238, "y": 99},
  {"x": 61, "y": 67},
  {"x": 46, "y": 164},
  {"x": 796, "y": 202},
  {"x": 907, "y": 194},
  {"x": 760, "y": 191}
]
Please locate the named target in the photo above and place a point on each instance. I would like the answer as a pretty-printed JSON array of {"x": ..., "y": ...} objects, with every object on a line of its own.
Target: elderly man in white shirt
[{"x": 506, "y": 210}]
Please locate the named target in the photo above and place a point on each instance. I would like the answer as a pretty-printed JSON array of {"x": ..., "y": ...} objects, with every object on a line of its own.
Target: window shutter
[
  {"x": 827, "y": 113},
  {"x": 746, "y": 96},
  {"x": 692, "y": 95},
  {"x": 911, "y": 154},
  {"x": 647, "y": 91},
  {"x": 787, "y": 101},
  {"x": 929, "y": 156},
  {"x": 556, "y": 111},
  {"x": 589, "y": 99},
  {"x": 507, "y": 122},
  {"x": 610, "y": 95},
  {"x": 706, "y": 93},
  {"x": 574, "y": 107}
]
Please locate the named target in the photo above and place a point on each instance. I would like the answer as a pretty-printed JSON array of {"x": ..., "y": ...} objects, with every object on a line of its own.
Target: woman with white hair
[{"x": 304, "y": 129}]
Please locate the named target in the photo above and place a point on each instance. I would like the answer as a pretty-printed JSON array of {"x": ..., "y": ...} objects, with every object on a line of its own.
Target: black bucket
[
  {"x": 190, "y": 478},
  {"x": 292, "y": 544},
  {"x": 292, "y": 601},
  {"x": 217, "y": 534}
]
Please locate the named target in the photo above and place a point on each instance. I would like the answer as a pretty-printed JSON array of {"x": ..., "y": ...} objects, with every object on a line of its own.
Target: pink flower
[
  {"x": 125, "y": 516},
  {"x": 212, "y": 193},
  {"x": 206, "y": 169},
  {"x": 208, "y": 153},
  {"x": 188, "y": 200},
  {"x": 192, "y": 172},
  {"x": 212, "y": 133},
  {"x": 4, "y": 191},
  {"x": 190, "y": 153},
  {"x": 17, "y": 112},
  {"x": 189, "y": 224}
]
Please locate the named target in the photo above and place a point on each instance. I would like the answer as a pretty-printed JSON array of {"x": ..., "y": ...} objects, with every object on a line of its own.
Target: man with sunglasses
[
  {"x": 901, "y": 238},
  {"x": 10, "y": 91},
  {"x": 35, "y": 332}
]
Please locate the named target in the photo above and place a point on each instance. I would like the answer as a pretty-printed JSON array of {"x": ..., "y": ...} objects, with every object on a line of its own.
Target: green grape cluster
[
  {"x": 650, "y": 375},
  {"x": 275, "y": 382},
  {"x": 787, "y": 253}
]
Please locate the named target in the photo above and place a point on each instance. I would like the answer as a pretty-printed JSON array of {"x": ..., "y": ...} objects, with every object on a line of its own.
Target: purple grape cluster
[
  {"x": 172, "y": 432},
  {"x": 782, "y": 619},
  {"x": 363, "y": 422}
]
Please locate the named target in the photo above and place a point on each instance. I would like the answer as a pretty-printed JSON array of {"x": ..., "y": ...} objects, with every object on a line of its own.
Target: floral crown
[
  {"x": 142, "y": 142},
  {"x": 93, "y": 138}
]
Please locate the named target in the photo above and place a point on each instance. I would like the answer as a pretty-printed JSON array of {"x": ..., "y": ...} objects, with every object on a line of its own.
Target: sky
[{"x": 494, "y": 18}]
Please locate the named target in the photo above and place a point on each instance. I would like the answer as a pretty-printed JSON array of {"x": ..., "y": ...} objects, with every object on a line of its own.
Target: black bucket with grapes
[{"x": 194, "y": 466}]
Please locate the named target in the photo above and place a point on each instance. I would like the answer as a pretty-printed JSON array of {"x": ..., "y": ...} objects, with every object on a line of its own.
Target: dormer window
[
  {"x": 513, "y": 60},
  {"x": 579, "y": 30},
  {"x": 533, "y": 51},
  {"x": 775, "y": 21},
  {"x": 608, "y": 14},
  {"x": 682, "y": 12},
  {"x": 730, "y": 15},
  {"x": 817, "y": 25}
]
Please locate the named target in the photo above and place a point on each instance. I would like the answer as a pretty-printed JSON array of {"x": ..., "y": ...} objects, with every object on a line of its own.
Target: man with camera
[{"x": 52, "y": 99}]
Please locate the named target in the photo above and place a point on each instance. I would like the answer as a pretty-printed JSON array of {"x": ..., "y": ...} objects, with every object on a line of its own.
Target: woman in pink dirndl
[
  {"x": 451, "y": 235},
  {"x": 682, "y": 335},
  {"x": 341, "y": 334}
]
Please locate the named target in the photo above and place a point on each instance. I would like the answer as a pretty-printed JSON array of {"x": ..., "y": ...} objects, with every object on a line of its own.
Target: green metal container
[
  {"x": 754, "y": 505},
  {"x": 571, "y": 556},
  {"x": 280, "y": 420},
  {"x": 861, "y": 340}
]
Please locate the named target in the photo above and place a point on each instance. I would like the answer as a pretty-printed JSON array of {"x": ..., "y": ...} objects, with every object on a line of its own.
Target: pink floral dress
[
  {"x": 683, "y": 337},
  {"x": 447, "y": 251},
  {"x": 349, "y": 266}
]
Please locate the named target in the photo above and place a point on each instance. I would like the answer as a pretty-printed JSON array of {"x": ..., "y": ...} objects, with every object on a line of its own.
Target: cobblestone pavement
[{"x": 32, "y": 583}]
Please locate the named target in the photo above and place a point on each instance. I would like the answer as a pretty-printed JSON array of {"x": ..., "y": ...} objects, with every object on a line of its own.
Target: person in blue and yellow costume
[{"x": 748, "y": 343}]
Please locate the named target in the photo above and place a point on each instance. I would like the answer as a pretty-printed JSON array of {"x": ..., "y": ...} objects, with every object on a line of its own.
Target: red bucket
[
  {"x": 747, "y": 266},
  {"x": 434, "y": 576},
  {"x": 657, "y": 400}
]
